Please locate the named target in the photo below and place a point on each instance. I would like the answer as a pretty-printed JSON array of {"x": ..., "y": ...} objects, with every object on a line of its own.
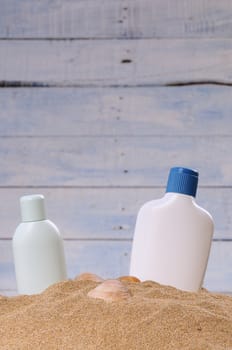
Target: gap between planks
[
  {"x": 38, "y": 84},
  {"x": 103, "y": 187},
  {"x": 89, "y": 239}
]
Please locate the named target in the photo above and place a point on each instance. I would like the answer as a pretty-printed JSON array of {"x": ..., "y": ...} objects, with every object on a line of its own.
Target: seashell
[
  {"x": 87, "y": 276},
  {"x": 129, "y": 279},
  {"x": 110, "y": 290}
]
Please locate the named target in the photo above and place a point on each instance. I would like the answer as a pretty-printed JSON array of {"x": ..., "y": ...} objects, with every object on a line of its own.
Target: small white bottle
[
  {"x": 37, "y": 248},
  {"x": 173, "y": 236}
]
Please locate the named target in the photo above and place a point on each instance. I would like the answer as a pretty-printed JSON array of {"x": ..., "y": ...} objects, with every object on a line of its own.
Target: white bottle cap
[{"x": 32, "y": 208}]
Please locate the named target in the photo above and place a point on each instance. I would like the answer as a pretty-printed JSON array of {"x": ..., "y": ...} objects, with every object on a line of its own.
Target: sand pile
[{"x": 149, "y": 317}]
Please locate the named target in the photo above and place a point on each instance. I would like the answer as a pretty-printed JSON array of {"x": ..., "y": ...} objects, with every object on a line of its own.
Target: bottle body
[
  {"x": 38, "y": 256},
  {"x": 172, "y": 242}
]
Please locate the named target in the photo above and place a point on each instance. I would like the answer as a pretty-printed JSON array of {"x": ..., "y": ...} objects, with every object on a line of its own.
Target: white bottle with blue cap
[
  {"x": 37, "y": 248},
  {"x": 173, "y": 236}
]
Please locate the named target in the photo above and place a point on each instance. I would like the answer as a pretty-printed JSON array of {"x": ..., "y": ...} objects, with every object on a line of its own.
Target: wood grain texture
[
  {"x": 115, "y": 19},
  {"x": 120, "y": 62},
  {"x": 187, "y": 110},
  {"x": 110, "y": 259},
  {"x": 106, "y": 213},
  {"x": 112, "y": 161}
]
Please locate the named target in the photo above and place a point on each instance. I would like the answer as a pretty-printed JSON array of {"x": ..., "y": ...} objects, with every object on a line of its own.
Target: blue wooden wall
[{"x": 98, "y": 99}]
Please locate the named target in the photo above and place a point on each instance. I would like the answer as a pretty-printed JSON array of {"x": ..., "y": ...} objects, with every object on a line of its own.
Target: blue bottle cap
[{"x": 182, "y": 180}]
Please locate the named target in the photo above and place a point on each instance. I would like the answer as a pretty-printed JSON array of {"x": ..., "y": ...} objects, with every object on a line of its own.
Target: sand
[{"x": 152, "y": 317}]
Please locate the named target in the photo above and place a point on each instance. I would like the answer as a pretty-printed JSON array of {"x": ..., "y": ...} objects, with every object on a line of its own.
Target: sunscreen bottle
[
  {"x": 173, "y": 235},
  {"x": 37, "y": 248}
]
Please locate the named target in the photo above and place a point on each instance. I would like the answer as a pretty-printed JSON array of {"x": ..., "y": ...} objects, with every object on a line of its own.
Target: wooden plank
[
  {"x": 110, "y": 259},
  {"x": 116, "y": 111},
  {"x": 219, "y": 272},
  {"x": 106, "y": 258},
  {"x": 110, "y": 213},
  {"x": 115, "y": 19},
  {"x": 112, "y": 161},
  {"x": 8, "y": 293},
  {"x": 120, "y": 62}
]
